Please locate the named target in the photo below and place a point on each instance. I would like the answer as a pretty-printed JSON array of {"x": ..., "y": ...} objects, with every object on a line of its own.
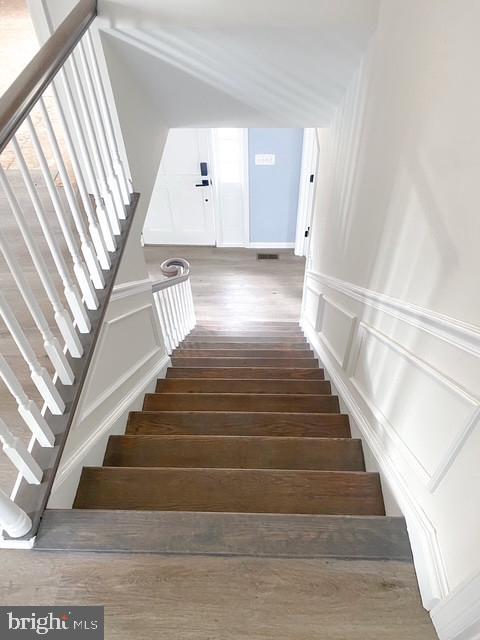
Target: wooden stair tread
[
  {"x": 244, "y": 373},
  {"x": 243, "y": 353},
  {"x": 240, "y": 402},
  {"x": 270, "y": 346},
  {"x": 230, "y": 490},
  {"x": 226, "y": 534},
  {"x": 232, "y": 452},
  {"x": 334, "y": 425},
  {"x": 184, "y": 360},
  {"x": 212, "y": 339},
  {"x": 219, "y": 385}
]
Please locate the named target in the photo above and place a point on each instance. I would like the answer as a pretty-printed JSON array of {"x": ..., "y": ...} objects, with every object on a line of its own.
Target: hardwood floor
[
  {"x": 207, "y": 598},
  {"x": 232, "y": 284}
]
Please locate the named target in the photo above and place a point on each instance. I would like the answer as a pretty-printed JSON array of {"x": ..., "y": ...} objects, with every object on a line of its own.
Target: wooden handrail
[
  {"x": 19, "y": 99},
  {"x": 176, "y": 269}
]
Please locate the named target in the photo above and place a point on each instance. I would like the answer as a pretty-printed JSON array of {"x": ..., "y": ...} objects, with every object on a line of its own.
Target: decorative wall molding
[
  {"x": 423, "y": 538},
  {"x": 324, "y": 303},
  {"x": 131, "y": 288},
  {"x": 459, "y": 334},
  {"x": 457, "y": 617},
  {"x": 121, "y": 407},
  {"x": 472, "y": 404},
  {"x": 86, "y": 411}
]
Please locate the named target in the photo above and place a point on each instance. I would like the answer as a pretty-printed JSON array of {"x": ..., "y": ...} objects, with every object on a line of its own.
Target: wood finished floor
[
  {"x": 208, "y": 598},
  {"x": 232, "y": 285}
]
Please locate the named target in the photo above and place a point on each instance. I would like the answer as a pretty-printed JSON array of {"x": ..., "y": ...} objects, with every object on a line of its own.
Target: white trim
[
  {"x": 306, "y": 192},
  {"x": 246, "y": 190},
  {"x": 231, "y": 245},
  {"x": 131, "y": 288},
  {"x": 457, "y": 333},
  {"x": 17, "y": 544},
  {"x": 85, "y": 412},
  {"x": 271, "y": 245},
  {"x": 431, "y": 571},
  {"x": 432, "y": 480},
  {"x": 72, "y": 462},
  {"x": 458, "y": 616}
]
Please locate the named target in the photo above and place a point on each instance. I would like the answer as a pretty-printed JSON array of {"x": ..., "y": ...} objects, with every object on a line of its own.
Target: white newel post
[{"x": 13, "y": 520}]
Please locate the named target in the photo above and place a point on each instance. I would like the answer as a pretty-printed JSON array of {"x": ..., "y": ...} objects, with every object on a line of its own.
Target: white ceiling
[{"x": 251, "y": 63}]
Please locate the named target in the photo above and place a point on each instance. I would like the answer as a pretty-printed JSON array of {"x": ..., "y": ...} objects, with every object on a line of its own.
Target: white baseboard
[
  {"x": 230, "y": 245},
  {"x": 429, "y": 566},
  {"x": 271, "y": 245},
  {"x": 458, "y": 616}
]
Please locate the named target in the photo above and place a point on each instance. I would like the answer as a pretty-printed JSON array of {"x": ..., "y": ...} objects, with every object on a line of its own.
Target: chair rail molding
[{"x": 457, "y": 333}]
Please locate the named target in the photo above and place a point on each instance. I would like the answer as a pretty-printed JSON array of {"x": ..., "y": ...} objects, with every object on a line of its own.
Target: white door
[{"x": 181, "y": 207}]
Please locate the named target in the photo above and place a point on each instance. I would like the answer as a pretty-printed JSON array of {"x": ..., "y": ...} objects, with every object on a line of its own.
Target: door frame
[{"x": 307, "y": 190}]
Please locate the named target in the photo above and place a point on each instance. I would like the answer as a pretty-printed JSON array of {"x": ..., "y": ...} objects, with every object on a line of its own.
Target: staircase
[{"x": 242, "y": 449}]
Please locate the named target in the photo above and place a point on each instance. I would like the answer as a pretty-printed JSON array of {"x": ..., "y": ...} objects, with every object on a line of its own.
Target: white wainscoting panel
[
  {"x": 129, "y": 357},
  {"x": 430, "y": 402},
  {"x": 337, "y": 327}
]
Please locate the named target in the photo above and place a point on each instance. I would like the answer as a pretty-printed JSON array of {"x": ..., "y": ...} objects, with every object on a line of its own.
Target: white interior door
[{"x": 181, "y": 207}]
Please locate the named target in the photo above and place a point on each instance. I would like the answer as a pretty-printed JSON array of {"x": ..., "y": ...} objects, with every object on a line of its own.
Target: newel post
[{"x": 13, "y": 519}]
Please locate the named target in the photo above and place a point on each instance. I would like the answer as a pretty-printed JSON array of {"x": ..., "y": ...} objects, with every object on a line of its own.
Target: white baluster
[
  {"x": 26, "y": 407},
  {"x": 179, "y": 320},
  {"x": 79, "y": 267},
  {"x": 192, "y": 306},
  {"x": 106, "y": 230},
  {"x": 13, "y": 519},
  {"x": 119, "y": 168},
  {"x": 163, "y": 325},
  {"x": 113, "y": 181},
  {"x": 183, "y": 292},
  {"x": 168, "y": 322},
  {"x": 71, "y": 292},
  {"x": 20, "y": 456},
  {"x": 188, "y": 305},
  {"x": 39, "y": 374},
  {"x": 50, "y": 343},
  {"x": 86, "y": 244},
  {"x": 93, "y": 142},
  {"x": 62, "y": 318},
  {"x": 170, "y": 306},
  {"x": 182, "y": 320}
]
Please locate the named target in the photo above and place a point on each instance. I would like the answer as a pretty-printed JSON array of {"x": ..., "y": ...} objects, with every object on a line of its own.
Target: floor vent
[{"x": 267, "y": 256}]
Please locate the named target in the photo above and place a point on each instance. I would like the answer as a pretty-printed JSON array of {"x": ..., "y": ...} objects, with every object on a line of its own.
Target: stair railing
[
  {"x": 174, "y": 302},
  {"x": 83, "y": 240}
]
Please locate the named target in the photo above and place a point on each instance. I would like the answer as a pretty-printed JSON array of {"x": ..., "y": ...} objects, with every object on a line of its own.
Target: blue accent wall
[{"x": 274, "y": 188}]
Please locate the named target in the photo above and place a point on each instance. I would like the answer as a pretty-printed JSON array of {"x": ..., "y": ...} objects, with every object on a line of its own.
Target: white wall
[{"x": 391, "y": 299}]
